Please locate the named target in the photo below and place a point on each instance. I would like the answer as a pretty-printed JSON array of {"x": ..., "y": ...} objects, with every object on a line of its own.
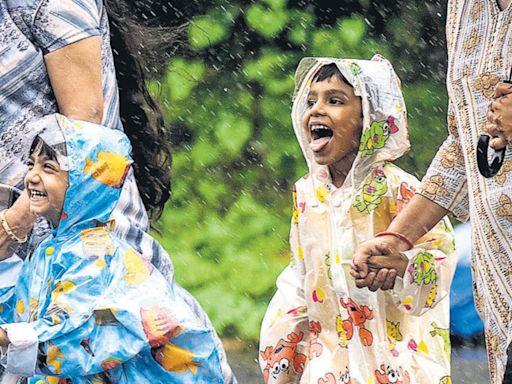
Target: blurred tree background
[{"x": 227, "y": 95}]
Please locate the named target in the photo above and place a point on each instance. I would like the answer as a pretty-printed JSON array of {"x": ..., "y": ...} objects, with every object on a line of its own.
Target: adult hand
[
  {"x": 371, "y": 278},
  {"x": 499, "y": 116}
]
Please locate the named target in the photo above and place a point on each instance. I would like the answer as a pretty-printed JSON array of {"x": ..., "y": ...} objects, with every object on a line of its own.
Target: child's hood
[
  {"x": 97, "y": 160},
  {"x": 384, "y": 136}
]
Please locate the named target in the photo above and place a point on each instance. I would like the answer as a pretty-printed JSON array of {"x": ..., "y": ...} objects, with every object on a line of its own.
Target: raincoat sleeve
[
  {"x": 104, "y": 310},
  {"x": 10, "y": 270},
  {"x": 445, "y": 182},
  {"x": 58, "y": 23},
  {"x": 431, "y": 265},
  {"x": 284, "y": 335}
]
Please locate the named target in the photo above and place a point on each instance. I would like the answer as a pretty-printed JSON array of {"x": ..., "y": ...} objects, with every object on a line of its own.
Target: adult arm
[
  {"x": 68, "y": 35},
  {"x": 75, "y": 76},
  {"x": 443, "y": 190}
]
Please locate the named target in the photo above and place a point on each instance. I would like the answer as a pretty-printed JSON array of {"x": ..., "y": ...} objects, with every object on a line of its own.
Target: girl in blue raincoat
[{"x": 88, "y": 308}]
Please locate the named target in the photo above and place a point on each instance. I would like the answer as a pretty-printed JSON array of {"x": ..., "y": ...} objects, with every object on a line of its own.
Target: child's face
[
  {"x": 333, "y": 121},
  {"x": 46, "y": 185}
]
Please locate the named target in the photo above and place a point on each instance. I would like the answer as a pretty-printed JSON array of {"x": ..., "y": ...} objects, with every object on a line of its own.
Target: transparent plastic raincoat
[
  {"x": 319, "y": 327},
  {"x": 87, "y": 307}
]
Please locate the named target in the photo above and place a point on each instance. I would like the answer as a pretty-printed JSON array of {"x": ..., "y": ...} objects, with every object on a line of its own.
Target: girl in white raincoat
[{"x": 319, "y": 327}]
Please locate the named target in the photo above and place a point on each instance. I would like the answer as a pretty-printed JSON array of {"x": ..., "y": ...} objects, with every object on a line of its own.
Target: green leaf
[
  {"x": 232, "y": 132},
  {"x": 352, "y": 31},
  {"x": 183, "y": 76},
  {"x": 268, "y": 22},
  {"x": 208, "y": 30}
]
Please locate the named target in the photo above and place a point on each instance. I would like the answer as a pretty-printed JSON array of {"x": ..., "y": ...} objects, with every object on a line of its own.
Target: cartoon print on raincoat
[
  {"x": 104, "y": 311},
  {"x": 323, "y": 237}
]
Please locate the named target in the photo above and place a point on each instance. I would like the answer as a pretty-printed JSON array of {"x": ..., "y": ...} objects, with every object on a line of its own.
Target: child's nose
[
  {"x": 318, "y": 109},
  {"x": 33, "y": 176}
]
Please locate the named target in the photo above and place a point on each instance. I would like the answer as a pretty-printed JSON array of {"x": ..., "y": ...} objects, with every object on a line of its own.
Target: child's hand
[
  {"x": 379, "y": 246},
  {"x": 397, "y": 262}
]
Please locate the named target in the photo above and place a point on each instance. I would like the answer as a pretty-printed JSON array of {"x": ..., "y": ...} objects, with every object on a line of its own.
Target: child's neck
[{"x": 340, "y": 169}]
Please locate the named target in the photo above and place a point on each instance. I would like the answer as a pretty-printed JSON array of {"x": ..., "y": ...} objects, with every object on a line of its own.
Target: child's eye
[
  {"x": 336, "y": 101},
  {"x": 49, "y": 166},
  {"x": 310, "y": 103},
  {"x": 30, "y": 164}
]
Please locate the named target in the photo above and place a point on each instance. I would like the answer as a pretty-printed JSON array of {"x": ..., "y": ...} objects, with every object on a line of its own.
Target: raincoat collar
[
  {"x": 97, "y": 160},
  {"x": 384, "y": 136}
]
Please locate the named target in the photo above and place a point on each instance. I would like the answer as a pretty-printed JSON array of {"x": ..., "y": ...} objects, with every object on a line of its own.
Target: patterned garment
[
  {"x": 479, "y": 39},
  {"x": 29, "y": 29},
  {"x": 319, "y": 327},
  {"x": 87, "y": 307}
]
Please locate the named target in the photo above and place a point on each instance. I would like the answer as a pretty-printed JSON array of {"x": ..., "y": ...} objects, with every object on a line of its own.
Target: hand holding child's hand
[
  {"x": 366, "y": 275},
  {"x": 499, "y": 116},
  {"x": 397, "y": 262}
]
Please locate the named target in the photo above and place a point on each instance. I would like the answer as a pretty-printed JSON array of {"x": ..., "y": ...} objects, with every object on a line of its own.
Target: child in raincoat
[
  {"x": 86, "y": 307},
  {"x": 349, "y": 117}
]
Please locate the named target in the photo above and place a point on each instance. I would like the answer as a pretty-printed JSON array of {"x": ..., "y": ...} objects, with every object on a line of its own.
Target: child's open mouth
[
  {"x": 37, "y": 195},
  {"x": 321, "y": 135}
]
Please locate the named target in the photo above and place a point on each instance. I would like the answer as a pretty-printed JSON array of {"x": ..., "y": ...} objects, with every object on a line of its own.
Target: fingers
[
  {"x": 502, "y": 89},
  {"x": 366, "y": 281},
  {"x": 498, "y": 143},
  {"x": 389, "y": 282},
  {"x": 379, "y": 280}
]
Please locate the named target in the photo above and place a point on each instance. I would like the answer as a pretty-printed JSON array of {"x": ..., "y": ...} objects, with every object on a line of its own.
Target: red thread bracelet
[{"x": 397, "y": 235}]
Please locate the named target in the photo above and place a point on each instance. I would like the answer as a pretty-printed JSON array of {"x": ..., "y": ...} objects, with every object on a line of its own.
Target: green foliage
[{"x": 228, "y": 97}]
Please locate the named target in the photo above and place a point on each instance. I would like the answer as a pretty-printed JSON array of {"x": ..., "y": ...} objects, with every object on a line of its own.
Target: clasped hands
[
  {"x": 377, "y": 263},
  {"x": 499, "y": 116}
]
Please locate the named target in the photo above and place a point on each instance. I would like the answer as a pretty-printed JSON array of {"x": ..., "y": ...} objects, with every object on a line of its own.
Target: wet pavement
[{"x": 469, "y": 365}]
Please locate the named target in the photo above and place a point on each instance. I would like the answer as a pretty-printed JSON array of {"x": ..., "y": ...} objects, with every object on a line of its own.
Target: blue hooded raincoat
[{"x": 88, "y": 308}]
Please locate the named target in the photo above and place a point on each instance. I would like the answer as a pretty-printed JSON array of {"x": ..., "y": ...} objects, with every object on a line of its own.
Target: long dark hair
[{"x": 131, "y": 40}]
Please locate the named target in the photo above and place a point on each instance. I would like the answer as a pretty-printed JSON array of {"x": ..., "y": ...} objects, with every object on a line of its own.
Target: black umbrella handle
[{"x": 487, "y": 169}]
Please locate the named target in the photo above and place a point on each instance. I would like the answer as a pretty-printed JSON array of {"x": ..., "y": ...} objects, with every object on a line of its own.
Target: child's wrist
[{"x": 403, "y": 242}]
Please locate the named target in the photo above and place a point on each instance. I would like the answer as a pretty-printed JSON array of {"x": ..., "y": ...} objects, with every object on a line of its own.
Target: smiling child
[
  {"x": 350, "y": 120},
  {"x": 87, "y": 307}
]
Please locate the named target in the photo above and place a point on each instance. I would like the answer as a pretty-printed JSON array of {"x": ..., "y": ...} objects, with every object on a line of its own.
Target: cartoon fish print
[
  {"x": 315, "y": 348},
  {"x": 283, "y": 357},
  {"x": 53, "y": 355},
  {"x": 159, "y": 325},
  {"x": 445, "y": 380},
  {"x": 357, "y": 317},
  {"x": 370, "y": 195},
  {"x": 329, "y": 378},
  {"x": 422, "y": 268},
  {"x": 176, "y": 359},
  {"x": 388, "y": 375},
  {"x": 376, "y": 135},
  {"x": 137, "y": 268},
  {"x": 406, "y": 194},
  {"x": 111, "y": 363},
  {"x": 109, "y": 169}
]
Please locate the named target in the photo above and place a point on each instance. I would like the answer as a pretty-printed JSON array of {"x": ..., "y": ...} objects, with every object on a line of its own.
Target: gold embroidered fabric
[{"x": 479, "y": 39}]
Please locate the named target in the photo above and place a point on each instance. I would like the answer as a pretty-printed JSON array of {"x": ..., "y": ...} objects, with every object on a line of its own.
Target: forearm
[{"x": 417, "y": 218}]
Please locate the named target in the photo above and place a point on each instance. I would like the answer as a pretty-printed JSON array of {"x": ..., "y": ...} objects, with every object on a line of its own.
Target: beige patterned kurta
[{"x": 479, "y": 39}]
